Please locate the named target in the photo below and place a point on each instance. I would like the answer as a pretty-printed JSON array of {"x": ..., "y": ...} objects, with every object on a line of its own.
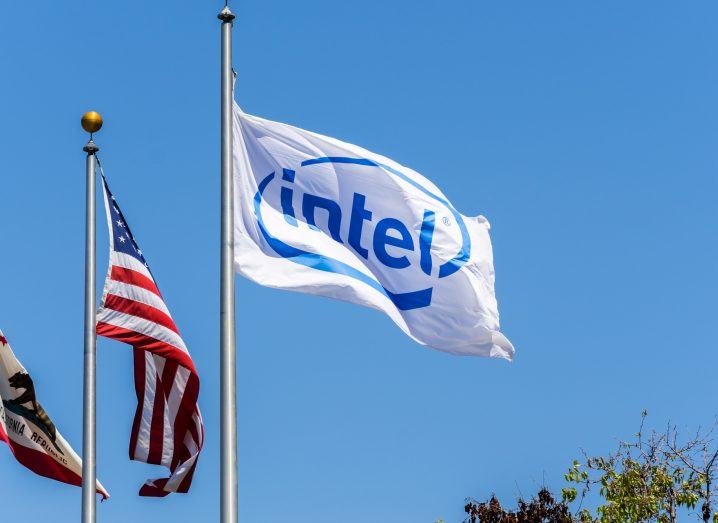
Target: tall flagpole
[
  {"x": 91, "y": 122},
  {"x": 228, "y": 373}
]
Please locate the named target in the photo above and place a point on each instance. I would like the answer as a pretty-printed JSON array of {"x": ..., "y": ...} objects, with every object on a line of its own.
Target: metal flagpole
[
  {"x": 91, "y": 122},
  {"x": 228, "y": 373}
]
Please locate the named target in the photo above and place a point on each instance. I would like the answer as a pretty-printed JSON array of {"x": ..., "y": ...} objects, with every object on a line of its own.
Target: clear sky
[{"x": 586, "y": 132}]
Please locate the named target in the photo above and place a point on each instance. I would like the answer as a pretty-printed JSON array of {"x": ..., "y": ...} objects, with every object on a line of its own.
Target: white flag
[
  {"x": 317, "y": 215},
  {"x": 28, "y": 430}
]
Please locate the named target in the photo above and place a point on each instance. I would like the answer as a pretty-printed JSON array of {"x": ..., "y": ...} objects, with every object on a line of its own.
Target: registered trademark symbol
[{"x": 446, "y": 220}]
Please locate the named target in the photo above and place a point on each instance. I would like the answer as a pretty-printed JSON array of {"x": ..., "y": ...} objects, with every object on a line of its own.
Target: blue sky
[{"x": 586, "y": 132}]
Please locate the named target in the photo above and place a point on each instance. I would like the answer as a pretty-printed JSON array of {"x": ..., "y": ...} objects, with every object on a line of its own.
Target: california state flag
[{"x": 27, "y": 428}]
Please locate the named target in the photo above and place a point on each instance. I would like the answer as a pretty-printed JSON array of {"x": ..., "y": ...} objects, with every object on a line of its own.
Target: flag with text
[
  {"x": 318, "y": 215},
  {"x": 27, "y": 428}
]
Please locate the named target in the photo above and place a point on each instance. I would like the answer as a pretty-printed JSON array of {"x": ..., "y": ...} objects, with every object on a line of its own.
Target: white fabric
[{"x": 381, "y": 231}]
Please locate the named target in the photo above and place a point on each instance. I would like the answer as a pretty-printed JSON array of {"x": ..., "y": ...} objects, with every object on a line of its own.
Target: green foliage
[
  {"x": 636, "y": 490},
  {"x": 647, "y": 480}
]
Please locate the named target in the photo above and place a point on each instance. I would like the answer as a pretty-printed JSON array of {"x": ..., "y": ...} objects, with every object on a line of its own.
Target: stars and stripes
[{"x": 167, "y": 428}]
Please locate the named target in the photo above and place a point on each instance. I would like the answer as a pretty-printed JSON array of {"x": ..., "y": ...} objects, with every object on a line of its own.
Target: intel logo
[{"x": 391, "y": 242}]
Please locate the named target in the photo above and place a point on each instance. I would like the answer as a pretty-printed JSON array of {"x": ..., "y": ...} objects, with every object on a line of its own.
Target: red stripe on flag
[
  {"x": 169, "y": 374},
  {"x": 184, "y": 454},
  {"x": 168, "y": 377},
  {"x": 156, "y": 490},
  {"x": 124, "y": 275},
  {"x": 140, "y": 310},
  {"x": 44, "y": 465},
  {"x": 144, "y": 342},
  {"x": 139, "y": 357},
  {"x": 3, "y": 435},
  {"x": 187, "y": 481},
  {"x": 183, "y": 421}
]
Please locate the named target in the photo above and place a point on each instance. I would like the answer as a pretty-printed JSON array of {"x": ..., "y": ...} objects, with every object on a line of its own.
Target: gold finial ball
[{"x": 91, "y": 121}]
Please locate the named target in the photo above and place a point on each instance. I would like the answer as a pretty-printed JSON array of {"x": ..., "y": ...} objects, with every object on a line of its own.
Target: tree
[
  {"x": 649, "y": 479},
  {"x": 543, "y": 508},
  {"x": 700, "y": 457},
  {"x": 657, "y": 477}
]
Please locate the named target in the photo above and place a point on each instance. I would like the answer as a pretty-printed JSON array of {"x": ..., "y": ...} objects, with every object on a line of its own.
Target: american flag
[{"x": 167, "y": 428}]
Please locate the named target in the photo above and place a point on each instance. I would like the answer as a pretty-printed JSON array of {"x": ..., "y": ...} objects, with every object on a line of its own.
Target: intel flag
[{"x": 317, "y": 215}]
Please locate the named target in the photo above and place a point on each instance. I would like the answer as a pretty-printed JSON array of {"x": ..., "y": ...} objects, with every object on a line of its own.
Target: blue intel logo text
[{"x": 391, "y": 242}]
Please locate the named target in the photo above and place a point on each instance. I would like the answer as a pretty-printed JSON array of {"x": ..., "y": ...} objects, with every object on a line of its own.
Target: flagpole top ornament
[
  {"x": 226, "y": 15},
  {"x": 91, "y": 122}
]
